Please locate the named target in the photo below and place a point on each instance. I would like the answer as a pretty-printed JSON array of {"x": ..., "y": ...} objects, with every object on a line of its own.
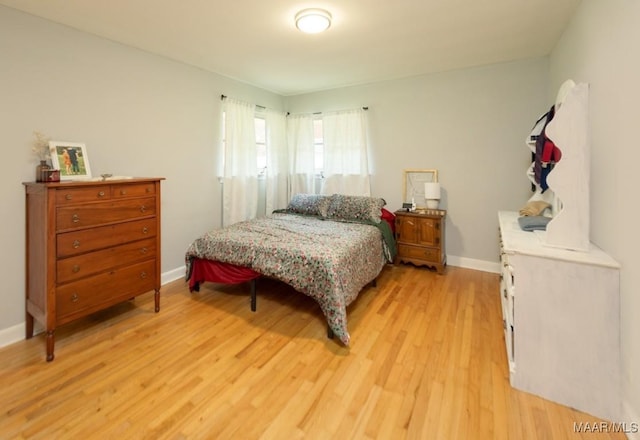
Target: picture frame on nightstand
[{"x": 413, "y": 185}]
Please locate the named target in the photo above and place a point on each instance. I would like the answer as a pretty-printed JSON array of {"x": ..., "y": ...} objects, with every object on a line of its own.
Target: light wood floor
[{"x": 427, "y": 361}]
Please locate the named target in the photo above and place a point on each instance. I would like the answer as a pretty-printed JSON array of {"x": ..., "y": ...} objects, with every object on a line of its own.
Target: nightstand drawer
[{"x": 419, "y": 253}]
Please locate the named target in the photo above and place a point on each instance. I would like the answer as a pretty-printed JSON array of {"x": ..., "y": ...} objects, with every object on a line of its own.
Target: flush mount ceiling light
[{"x": 312, "y": 21}]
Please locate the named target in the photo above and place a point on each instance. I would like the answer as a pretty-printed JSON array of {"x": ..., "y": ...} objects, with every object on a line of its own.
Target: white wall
[
  {"x": 600, "y": 47},
  {"x": 145, "y": 115},
  {"x": 139, "y": 114},
  {"x": 470, "y": 125}
]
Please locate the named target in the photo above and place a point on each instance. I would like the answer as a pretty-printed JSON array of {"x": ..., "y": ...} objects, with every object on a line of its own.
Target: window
[
  {"x": 261, "y": 143},
  {"x": 318, "y": 146}
]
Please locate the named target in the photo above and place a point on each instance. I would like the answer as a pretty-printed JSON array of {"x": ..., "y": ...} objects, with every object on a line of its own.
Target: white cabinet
[{"x": 561, "y": 317}]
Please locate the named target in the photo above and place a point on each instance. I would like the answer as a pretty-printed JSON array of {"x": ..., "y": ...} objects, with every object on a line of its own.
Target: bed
[{"x": 326, "y": 247}]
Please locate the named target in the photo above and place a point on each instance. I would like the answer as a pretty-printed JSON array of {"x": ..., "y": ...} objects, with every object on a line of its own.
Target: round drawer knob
[
  {"x": 75, "y": 268},
  {"x": 101, "y": 194},
  {"x": 143, "y": 208},
  {"x": 144, "y": 250},
  {"x": 68, "y": 197},
  {"x": 143, "y": 275},
  {"x": 75, "y": 298},
  {"x": 145, "y": 230},
  {"x": 75, "y": 218},
  {"x": 76, "y": 244}
]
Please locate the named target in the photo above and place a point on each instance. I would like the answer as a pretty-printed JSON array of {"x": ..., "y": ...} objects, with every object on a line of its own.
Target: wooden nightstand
[{"x": 420, "y": 238}]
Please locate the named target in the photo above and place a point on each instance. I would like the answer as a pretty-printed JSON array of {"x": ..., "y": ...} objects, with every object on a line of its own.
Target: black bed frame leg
[
  {"x": 329, "y": 333},
  {"x": 253, "y": 295}
]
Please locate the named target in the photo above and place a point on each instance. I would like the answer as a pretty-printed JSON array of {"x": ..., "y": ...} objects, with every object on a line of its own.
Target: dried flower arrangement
[{"x": 41, "y": 146}]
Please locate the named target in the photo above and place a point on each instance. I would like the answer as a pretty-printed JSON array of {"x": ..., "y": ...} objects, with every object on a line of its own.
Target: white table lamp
[{"x": 432, "y": 194}]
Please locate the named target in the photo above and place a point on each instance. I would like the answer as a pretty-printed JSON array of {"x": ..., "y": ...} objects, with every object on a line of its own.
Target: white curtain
[
  {"x": 302, "y": 171},
  {"x": 346, "y": 166},
  {"x": 240, "y": 172},
  {"x": 276, "y": 176}
]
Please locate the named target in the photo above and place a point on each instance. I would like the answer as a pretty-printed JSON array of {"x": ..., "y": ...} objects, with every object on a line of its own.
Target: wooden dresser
[
  {"x": 90, "y": 245},
  {"x": 420, "y": 238}
]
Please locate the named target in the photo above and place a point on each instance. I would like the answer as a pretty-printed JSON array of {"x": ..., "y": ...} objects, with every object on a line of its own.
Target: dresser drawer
[
  {"x": 108, "y": 288},
  {"x": 87, "y": 240},
  {"x": 81, "y": 266},
  {"x": 132, "y": 190},
  {"x": 92, "y": 214},
  {"x": 74, "y": 196},
  {"x": 419, "y": 253}
]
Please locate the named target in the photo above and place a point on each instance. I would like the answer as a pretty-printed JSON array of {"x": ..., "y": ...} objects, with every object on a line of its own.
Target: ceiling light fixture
[{"x": 313, "y": 21}]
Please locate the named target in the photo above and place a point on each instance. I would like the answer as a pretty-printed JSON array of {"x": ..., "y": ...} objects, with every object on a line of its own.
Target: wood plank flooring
[{"x": 427, "y": 361}]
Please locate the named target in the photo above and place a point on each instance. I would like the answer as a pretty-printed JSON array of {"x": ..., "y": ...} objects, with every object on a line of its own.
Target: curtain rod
[
  {"x": 365, "y": 108},
  {"x": 222, "y": 98},
  {"x": 319, "y": 113}
]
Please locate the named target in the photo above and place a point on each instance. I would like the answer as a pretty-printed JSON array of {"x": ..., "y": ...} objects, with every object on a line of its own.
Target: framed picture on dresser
[{"x": 71, "y": 159}]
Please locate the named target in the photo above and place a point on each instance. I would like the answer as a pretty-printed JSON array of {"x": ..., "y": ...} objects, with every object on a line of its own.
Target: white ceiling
[{"x": 256, "y": 41}]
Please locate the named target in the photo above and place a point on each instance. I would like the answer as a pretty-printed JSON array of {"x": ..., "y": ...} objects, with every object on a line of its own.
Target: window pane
[
  {"x": 261, "y": 143},
  {"x": 318, "y": 146},
  {"x": 317, "y": 131},
  {"x": 318, "y": 158},
  {"x": 262, "y": 156},
  {"x": 261, "y": 130}
]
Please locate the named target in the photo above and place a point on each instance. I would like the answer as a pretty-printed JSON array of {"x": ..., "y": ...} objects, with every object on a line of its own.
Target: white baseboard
[
  {"x": 172, "y": 275},
  {"x": 12, "y": 334},
  {"x": 471, "y": 263},
  {"x": 17, "y": 332}
]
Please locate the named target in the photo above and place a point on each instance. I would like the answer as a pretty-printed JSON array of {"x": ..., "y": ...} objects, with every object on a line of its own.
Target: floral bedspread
[{"x": 327, "y": 260}]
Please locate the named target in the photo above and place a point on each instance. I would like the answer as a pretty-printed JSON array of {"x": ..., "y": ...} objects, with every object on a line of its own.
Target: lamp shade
[{"x": 432, "y": 190}]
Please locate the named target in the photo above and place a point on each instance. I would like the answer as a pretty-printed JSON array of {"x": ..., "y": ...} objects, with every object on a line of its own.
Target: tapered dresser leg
[
  {"x": 156, "y": 297},
  {"x": 50, "y": 344}
]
